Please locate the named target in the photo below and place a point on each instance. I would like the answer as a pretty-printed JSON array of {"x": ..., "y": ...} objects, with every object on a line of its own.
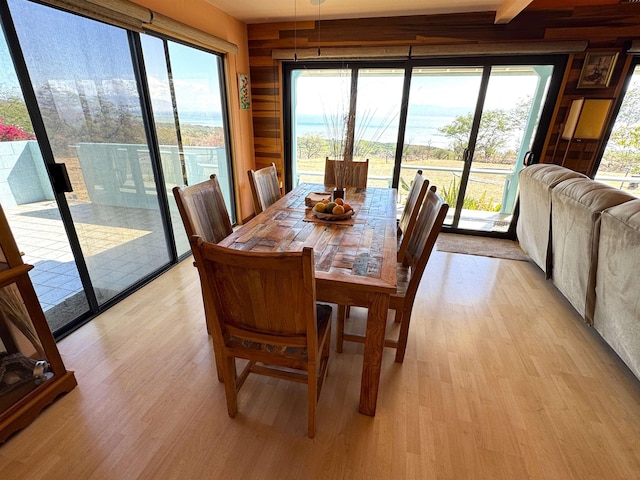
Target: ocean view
[{"x": 420, "y": 130}]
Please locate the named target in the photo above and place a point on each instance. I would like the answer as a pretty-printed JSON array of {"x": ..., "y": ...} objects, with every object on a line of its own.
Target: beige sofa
[
  {"x": 585, "y": 235},
  {"x": 534, "y": 220},
  {"x": 617, "y": 308},
  {"x": 577, "y": 206}
]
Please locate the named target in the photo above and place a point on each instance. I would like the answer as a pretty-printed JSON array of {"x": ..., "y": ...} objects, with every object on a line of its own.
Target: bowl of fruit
[{"x": 333, "y": 210}]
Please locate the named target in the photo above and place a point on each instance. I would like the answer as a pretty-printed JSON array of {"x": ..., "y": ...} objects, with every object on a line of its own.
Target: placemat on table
[
  {"x": 315, "y": 197},
  {"x": 310, "y": 217}
]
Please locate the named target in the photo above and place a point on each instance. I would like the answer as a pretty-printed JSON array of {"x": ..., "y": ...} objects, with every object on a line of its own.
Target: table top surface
[{"x": 362, "y": 255}]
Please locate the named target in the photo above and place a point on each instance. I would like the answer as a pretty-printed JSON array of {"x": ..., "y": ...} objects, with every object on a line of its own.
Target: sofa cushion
[
  {"x": 534, "y": 220},
  {"x": 577, "y": 205},
  {"x": 617, "y": 309}
]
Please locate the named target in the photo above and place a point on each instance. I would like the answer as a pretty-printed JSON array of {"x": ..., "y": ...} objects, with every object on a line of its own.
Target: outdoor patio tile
[
  {"x": 65, "y": 268},
  {"x": 56, "y": 296},
  {"x": 120, "y": 245},
  {"x": 42, "y": 288},
  {"x": 43, "y": 276}
]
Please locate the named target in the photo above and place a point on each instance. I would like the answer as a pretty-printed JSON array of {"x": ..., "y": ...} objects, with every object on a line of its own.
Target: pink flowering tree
[{"x": 10, "y": 133}]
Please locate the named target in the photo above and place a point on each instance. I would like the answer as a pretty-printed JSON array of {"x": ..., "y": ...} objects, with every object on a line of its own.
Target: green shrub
[{"x": 450, "y": 195}]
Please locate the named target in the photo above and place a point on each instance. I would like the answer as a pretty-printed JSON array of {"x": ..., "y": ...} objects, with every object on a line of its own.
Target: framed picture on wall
[
  {"x": 244, "y": 90},
  {"x": 597, "y": 69}
]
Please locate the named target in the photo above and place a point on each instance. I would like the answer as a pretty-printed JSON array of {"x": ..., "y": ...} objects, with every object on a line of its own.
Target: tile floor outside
[{"x": 120, "y": 245}]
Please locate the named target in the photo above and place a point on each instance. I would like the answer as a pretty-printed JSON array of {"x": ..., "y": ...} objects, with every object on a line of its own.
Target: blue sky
[
  {"x": 66, "y": 50},
  {"x": 452, "y": 90}
]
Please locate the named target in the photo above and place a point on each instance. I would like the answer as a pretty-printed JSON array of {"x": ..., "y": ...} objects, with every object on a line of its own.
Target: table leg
[{"x": 373, "y": 346}]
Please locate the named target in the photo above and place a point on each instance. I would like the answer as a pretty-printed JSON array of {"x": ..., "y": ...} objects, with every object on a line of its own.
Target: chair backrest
[
  {"x": 423, "y": 238},
  {"x": 410, "y": 213},
  {"x": 354, "y": 174},
  {"x": 264, "y": 187},
  {"x": 203, "y": 210},
  {"x": 259, "y": 297}
]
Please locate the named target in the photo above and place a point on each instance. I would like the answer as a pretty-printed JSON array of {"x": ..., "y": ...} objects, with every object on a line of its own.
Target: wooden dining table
[{"x": 355, "y": 260}]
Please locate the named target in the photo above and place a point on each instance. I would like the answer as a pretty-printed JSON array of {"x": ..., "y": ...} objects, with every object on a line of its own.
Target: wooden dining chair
[
  {"x": 355, "y": 173},
  {"x": 264, "y": 187},
  {"x": 263, "y": 309},
  {"x": 410, "y": 213},
  {"x": 203, "y": 210},
  {"x": 204, "y": 214},
  {"x": 409, "y": 272}
]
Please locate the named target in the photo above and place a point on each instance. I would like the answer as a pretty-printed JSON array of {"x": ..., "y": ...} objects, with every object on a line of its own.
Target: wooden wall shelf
[{"x": 32, "y": 374}]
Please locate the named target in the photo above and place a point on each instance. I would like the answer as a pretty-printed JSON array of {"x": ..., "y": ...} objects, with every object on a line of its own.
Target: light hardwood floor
[{"x": 502, "y": 380}]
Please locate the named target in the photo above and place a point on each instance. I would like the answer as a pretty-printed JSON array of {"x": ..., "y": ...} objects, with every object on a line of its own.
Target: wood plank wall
[{"x": 607, "y": 27}]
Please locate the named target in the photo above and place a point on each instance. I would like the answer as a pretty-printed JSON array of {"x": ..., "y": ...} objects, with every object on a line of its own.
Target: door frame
[{"x": 559, "y": 63}]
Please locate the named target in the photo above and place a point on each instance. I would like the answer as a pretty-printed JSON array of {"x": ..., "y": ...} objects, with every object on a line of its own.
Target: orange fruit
[
  {"x": 338, "y": 210},
  {"x": 325, "y": 201},
  {"x": 347, "y": 207},
  {"x": 319, "y": 207},
  {"x": 339, "y": 201}
]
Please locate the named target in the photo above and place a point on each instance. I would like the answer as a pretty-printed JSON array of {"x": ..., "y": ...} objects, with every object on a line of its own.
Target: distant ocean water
[
  {"x": 207, "y": 119},
  {"x": 420, "y": 130}
]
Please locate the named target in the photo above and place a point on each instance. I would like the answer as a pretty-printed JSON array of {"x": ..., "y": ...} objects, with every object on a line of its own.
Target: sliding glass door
[
  {"x": 440, "y": 119},
  {"x": 469, "y": 129},
  {"x": 186, "y": 94},
  {"x": 119, "y": 119},
  {"x": 28, "y": 201},
  {"x": 88, "y": 97},
  {"x": 467, "y": 125}
]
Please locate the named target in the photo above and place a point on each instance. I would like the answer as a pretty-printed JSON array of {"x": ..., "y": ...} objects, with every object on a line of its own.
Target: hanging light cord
[
  {"x": 295, "y": 30},
  {"x": 319, "y": 28}
]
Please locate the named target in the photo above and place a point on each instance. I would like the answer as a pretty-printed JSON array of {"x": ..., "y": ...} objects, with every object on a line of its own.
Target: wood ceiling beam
[{"x": 508, "y": 10}]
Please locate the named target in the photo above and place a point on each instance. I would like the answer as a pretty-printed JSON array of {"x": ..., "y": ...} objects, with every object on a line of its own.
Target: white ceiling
[{"x": 263, "y": 11}]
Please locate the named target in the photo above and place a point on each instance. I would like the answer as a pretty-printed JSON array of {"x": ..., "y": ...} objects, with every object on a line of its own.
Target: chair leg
[
  {"x": 230, "y": 390},
  {"x": 219, "y": 364},
  {"x": 326, "y": 348},
  {"x": 340, "y": 327},
  {"x": 312, "y": 398},
  {"x": 404, "y": 334}
]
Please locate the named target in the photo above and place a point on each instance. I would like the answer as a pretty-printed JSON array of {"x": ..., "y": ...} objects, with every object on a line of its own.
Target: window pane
[
  {"x": 166, "y": 130},
  {"x": 512, "y": 106},
  {"x": 320, "y": 107},
  {"x": 199, "y": 101},
  {"x": 442, "y": 102},
  {"x": 188, "y": 114},
  {"x": 620, "y": 164},
  {"x": 377, "y": 120}
]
